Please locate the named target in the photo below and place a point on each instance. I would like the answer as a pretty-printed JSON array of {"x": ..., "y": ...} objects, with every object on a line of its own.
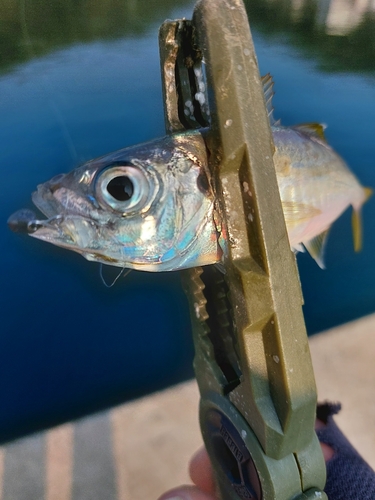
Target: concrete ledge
[
  {"x": 139, "y": 450},
  {"x": 344, "y": 364}
]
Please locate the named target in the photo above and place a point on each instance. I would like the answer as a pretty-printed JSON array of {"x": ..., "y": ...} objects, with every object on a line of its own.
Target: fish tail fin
[
  {"x": 368, "y": 193},
  {"x": 357, "y": 229},
  {"x": 357, "y": 222}
]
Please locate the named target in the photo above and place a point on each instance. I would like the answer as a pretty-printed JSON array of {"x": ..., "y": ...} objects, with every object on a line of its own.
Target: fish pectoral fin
[
  {"x": 316, "y": 247},
  {"x": 313, "y": 130},
  {"x": 357, "y": 229},
  {"x": 295, "y": 213},
  {"x": 268, "y": 84}
]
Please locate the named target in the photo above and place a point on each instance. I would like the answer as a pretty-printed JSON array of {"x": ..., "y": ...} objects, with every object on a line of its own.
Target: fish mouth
[
  {"x": 24, "y": 221},
  {"x": 27, "y": 221},
  {"x": 61, "y": 228},
  {"x": 66, "y": 230}
]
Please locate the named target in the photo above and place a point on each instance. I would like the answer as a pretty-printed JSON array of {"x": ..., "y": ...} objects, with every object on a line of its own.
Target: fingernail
[
  {"x": 176, "y": 498},
  {"x": 181, "y": 493}
]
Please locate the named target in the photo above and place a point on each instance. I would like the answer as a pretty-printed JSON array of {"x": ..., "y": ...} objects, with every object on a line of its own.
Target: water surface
[{"x": 86, "y": 83}]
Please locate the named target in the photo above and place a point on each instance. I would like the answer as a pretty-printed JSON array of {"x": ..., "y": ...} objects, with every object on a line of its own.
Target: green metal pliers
[{"x": 252, "y": 359}]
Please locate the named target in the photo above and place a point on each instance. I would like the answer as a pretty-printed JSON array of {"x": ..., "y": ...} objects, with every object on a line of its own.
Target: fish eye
[
  {"x": 124, "y": 188},
  {"x": 121, "y": 188}
]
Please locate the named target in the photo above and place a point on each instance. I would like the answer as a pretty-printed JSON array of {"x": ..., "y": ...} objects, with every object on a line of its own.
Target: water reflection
[
  {"x": 310, "y": 24},
  {"x": 314, "y": 25},
  {"x": 29, "y": 28},
  {"x": 337, "y": 17}
]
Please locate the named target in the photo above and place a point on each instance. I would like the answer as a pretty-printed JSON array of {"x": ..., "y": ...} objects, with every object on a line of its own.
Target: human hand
[
  {"x": 348, "y": 475},
  {"x": 201, "y": 474}
]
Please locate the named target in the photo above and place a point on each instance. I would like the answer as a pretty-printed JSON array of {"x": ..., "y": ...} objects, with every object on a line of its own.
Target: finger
[
  {"x": 186, "y": 493},
  {"x": 200, "y": 470}
]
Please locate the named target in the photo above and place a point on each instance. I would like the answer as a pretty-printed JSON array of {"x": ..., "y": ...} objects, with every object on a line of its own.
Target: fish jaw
[
  {"x": 73, "y": 222},
  {"x": 72, "y": 233},
  {"x": 171, "y": 224}
]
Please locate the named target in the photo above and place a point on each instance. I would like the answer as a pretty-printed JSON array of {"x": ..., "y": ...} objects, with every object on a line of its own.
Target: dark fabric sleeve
[{"x": 349, "y": 477}]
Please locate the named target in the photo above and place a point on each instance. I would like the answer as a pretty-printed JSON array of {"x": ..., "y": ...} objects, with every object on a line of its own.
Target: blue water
[{"x": 68, "y": 344}]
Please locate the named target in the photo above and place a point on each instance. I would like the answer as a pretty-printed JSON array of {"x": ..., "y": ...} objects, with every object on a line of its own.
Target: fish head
[{"x": 148, "y": 207}]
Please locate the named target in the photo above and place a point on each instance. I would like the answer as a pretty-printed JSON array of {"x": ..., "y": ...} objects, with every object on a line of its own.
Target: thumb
[{"x": 186, "y": 493}]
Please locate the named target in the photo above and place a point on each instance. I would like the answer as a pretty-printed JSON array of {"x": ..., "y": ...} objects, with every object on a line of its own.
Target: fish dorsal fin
[
  {"x": 313, "y": 129},
  {"x": 316, "y": 246},
  {"x": 268, "y": 84}
]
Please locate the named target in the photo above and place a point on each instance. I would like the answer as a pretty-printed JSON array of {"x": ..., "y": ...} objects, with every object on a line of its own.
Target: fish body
[
  {"x": 151, "y": 207},
  {"x": 316, "y": 187}
]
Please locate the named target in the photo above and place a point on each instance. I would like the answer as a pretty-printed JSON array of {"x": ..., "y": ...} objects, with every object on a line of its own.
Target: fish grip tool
[{"x": 252, "y": 359}]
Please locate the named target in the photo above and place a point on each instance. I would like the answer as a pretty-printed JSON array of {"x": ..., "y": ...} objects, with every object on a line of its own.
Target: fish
[{"x": 151, "y": 207}]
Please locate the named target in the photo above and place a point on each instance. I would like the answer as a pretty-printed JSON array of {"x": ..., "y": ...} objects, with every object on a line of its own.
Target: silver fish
[
  {"x": 151, "y": 207},
  {"x": 148, "y": 207}
]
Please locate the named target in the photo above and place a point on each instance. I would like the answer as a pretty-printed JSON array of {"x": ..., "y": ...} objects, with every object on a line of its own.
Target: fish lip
[
  {"x": 51, "y": 223},
  {"x": 28, "y": 221},
  {"x": 52, "y": 227},
  {"x": 19, "y": 221}
]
